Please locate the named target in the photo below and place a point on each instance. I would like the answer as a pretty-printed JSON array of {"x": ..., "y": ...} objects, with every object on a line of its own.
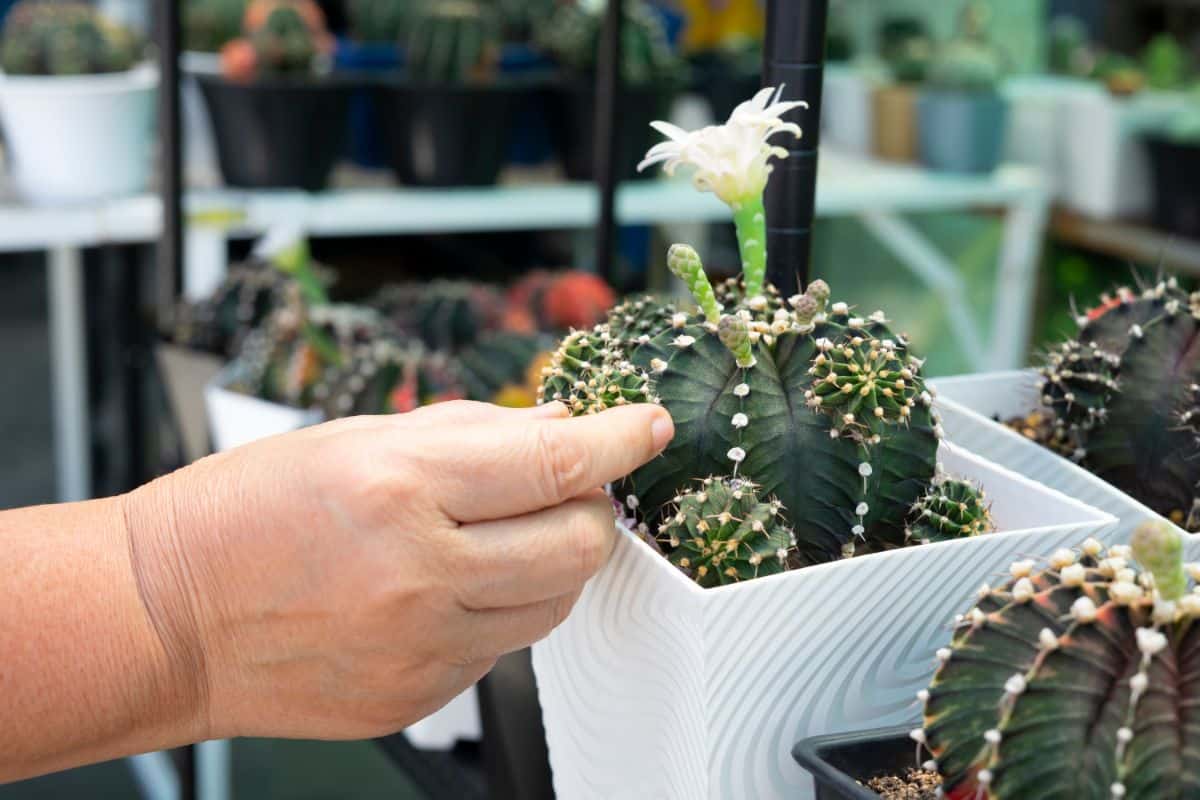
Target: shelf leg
[{"x": 69, "y": 377}]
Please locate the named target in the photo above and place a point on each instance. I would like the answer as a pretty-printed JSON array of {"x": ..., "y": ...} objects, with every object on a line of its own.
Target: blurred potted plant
[
  {"x": 279, "y": 117},
  {"x": 907, "y": 50},
  {"x": 962, "y": 115},
  {"x": 208, "y": 25},
  {"x": 77, "y": 104},
  {"x": 451, "y": 93},
  {"x": 1175, "y": 163},
  {"x": 652, "y": 72},
  {"x": 1167, "y": 65}
]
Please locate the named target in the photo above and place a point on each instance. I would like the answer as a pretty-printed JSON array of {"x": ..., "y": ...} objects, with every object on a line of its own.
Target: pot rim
[
  {"x": 141, "y": 77},
  {"x": 332, "y": 80}
]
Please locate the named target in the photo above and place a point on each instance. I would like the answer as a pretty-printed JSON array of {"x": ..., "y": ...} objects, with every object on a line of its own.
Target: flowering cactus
[
  {"x": 1087, "y": 663},
  {"x": 1123, "y": 401},
  {"x": 822, "y": 411}
]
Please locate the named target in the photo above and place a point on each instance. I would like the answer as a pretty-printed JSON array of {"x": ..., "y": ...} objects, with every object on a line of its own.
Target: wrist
[{"x": 163, "y": 570}]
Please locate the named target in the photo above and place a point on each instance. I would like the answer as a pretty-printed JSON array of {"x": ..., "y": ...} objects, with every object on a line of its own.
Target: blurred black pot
[
  {"x": 278, "y": 133},
  {"x": 448, "y": 134},
  {"x": 1176, "y": 167},
  {"x": 573, "y": 126}
]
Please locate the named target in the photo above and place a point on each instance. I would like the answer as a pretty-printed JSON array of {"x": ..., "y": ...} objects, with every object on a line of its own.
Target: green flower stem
[
  {"x": 684, "y": 263},
  {"x": 1157, "y": 548},
  {"x": 297, "y": 262},
  {"x": 751, "y": 220}
]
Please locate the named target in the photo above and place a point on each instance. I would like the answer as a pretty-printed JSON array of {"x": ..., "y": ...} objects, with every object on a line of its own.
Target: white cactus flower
[{"x": 732, "y": 160}]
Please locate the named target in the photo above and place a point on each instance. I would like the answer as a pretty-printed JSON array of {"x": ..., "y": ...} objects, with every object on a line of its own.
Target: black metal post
[
  {"x": 794, "y": 56},
  {"x": 170, "y": 244},
  {"x": 608, "y": 93}
]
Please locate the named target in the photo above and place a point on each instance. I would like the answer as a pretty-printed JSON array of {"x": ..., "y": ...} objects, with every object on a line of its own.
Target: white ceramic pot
[
  {"x": 1107, "y": 164},
  {"x": 1038, "y": 123},
  {"x": 657, "y": 688},
  {"x": 235, "y": 419},
  {"x": 848, "y": 110},
  {"x": 199, "y": 146},
  {"x": 74, "y": 139},
  {"x": 970, "y": 406}
]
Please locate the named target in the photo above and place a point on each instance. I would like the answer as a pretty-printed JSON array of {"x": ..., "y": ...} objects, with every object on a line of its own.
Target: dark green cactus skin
[
  {"x": 721, "y": 533},
  {"x": 379, "y": 21},
  {"x": 1136, "y": 435},
  {"x": 208, "y": 25},
  {"x": 637, "y": 320},
  {"x": 1037, "y": 695},
  {"x": 285, "y": 44},
  {"x": 571, "y": 35},
  {"x": 952, "y": 509},
  {"x": 444, "y": 315},
  {"x": 495, "y": 361},
  {"x": 456, "y": 41},
  {"x": 379, "y": 375},
  {"x": 43, "y": 38},
  {"x": 589, "y": 374},
  {"x": 793, "y": 452},
  {"x": 1080, "y": 381}
]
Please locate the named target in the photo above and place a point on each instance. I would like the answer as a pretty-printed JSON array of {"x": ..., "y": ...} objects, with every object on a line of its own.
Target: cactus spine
[
  {"x": 1074, "y": 681},
  {"x": 1123, "y": 399}
]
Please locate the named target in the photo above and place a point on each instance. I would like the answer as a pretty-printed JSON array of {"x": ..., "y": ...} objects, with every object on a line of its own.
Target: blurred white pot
[{"x": 79, "y": 138}]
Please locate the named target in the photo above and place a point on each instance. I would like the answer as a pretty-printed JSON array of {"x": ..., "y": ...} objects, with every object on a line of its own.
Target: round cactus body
[
  {"x": 499, "y": 362},
  {"x": 588, "y": 374},
  {"x": 637, "y": 320},
  {"x": 208, "y": 25},
  {"x": 1123, "y": 396},
  {"x": 64, "y": 39},
  {"x": 379, "y": 21},
  {"x": 1076, "y": 681},
  {"x": 444, "y": 315},
  {"x": 455, "y": 41},
  {"x": 953, "y": 509},
  {"x": 721, "y": 532},
  {"x": 577, "y": 300}
]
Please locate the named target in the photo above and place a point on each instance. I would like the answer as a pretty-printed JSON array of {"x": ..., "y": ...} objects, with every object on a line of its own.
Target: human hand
[{"x": 349, "y": 579}]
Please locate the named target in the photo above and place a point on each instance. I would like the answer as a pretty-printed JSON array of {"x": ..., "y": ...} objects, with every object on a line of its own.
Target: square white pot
[
  {"x": 848, "y": 110},
  {"x": 970, "y": 406},
  {"x": 1107, "y": 166},
  {"x": 235, "y": 419},
  {"x": 657, "y": 688}
]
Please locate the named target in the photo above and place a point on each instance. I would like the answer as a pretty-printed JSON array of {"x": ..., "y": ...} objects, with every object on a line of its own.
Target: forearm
[{"x": 84, "y": 673}]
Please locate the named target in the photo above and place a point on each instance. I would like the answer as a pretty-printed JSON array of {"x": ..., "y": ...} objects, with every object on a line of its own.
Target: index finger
[{"x": 514, "y": 468}]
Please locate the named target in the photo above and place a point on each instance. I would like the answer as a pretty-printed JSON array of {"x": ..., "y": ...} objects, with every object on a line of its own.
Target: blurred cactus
[
  {"x": 1166, "y": 63},
  {"x": 68, "y": 38},
  {"x": 455, "y": 41},
  {"x": 283, "y": 37},
  {"x": 965, "y": 66},
  {"x": 379, "y": 21},
  {"x": 442, "y": 314},
  {"x": 571, "y": 36},
  {"x": 208, "y": 25},
  {"x": 558, "y": 301}
]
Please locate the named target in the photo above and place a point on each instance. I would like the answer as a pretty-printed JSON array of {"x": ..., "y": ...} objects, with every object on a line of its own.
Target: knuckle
[
  {"x": 564, "y": 464},
  {"x": 587, "y": 534}
]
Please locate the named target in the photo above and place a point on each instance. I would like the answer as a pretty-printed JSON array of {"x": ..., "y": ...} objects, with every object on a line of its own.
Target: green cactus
[
  {"x": 245, "y": 298},
  {"x": 1166, "y": 63},
  {"x": 444, "y": 315},
  {"x": 64, "y": 39},
  {"x": 953, "y": 509},
  {"x": 285, "y": 44},
  {"x": 209, "y": 24},
  {"x": 1124, "y": 397},
  {"x": 721, "y": 533},
  {"x": 456, "y": 41},
  {"x": 1089, "y": 663},
  {"x": 571, "y": 36},
  {"x": 966, "y": 66},
  {"x": 589, "y": 374},
  {"x": 634, "y": 321},
  {"x": 386, "y": 376},
  {"x": 379, "y": 21},
  {"x": 497, "y": 360}
]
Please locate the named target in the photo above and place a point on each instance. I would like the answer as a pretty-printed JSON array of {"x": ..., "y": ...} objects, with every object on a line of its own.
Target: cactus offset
[
  {"x": 953, "y": 509},
  {"x": 64, "y": 39},
  {"x": 456, "y": 41},
  {"x": 1074, "y": 681},
  {"x": 636, "y": 320},
  {"x": 721, "y": 533},
  {"x": 588, "y": 373},
  {"x": 1122, "y": 398}
]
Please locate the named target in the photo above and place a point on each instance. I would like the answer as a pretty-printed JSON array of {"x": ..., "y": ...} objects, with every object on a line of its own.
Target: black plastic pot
[
  {"x": 1176, "y": 168},
  {"x": 842, "y": 764},
  {"x": 448, "y": 134},
  {"x": 573, "y": 126},
  {"x": 279, "y": 133}
]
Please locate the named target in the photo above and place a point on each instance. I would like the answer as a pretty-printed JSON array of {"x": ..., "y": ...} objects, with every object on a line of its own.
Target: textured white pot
[
  {"x": 970, "y": 406},
  {"x": 235, "y": 419},
  {"x": 74, "y": 139},
  {"x": 1107, "y": 166},
  {"x": 848, "y": 110},
  {"x": 657, "y": 688}
]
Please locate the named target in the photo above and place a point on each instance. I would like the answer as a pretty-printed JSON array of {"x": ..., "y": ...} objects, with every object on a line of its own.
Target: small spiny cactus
[
  {"x": 1076, "y": 681},
  {"x": 588, "y": 375},
  {"x": 68, "y": 38},
  {"x": 721, "y": 533},
  {"x": 953, "y": 509}
]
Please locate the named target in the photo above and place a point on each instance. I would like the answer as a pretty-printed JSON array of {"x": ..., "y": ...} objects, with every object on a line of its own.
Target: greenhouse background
[{"x": 983, "y": 232}]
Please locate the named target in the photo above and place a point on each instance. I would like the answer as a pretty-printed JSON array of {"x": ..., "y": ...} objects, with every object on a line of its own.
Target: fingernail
[
  {"x": 553, "y": 410},
  {"x": 662, "y": 430}
]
